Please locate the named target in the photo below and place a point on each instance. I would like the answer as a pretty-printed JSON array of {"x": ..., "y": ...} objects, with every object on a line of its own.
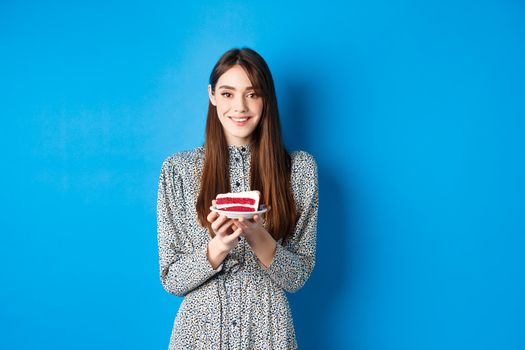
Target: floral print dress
[{"x": 241, "y": 304}]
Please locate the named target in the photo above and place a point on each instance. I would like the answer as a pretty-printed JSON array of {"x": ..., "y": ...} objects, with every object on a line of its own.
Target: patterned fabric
[{"x": 241, "y": 304}]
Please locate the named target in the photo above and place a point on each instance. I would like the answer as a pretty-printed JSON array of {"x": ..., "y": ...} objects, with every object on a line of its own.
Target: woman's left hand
[
  {"x": 250, "y": 227},
  {"x": 259, "y": 239}
]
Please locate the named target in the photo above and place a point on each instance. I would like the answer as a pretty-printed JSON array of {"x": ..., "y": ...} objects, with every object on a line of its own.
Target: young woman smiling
[{"x": 233, "y": 273}]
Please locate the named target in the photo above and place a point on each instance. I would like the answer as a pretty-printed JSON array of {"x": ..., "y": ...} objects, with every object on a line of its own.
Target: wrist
[
  {"x": 258, "y": 236},
  {"x": 217, "y": 247},
  {"x": 215, "y": 253},
  {"x": 264, "y": 246}
]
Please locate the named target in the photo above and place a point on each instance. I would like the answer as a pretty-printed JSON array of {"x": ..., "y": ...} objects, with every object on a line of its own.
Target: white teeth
[{"x": 239, "y": 119}]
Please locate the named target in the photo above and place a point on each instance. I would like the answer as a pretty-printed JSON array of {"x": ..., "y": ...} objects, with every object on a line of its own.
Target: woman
[{"x": 233, "y": 273}]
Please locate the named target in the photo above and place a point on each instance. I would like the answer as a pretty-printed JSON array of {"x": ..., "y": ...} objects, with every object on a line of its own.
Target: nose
[{"x": 239, "y": 104}]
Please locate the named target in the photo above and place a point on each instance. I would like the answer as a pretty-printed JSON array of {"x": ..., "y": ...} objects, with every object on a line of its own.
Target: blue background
[{"x": 415, "y": 113}]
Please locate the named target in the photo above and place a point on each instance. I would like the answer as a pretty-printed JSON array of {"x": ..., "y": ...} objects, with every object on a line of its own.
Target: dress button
[
  {"x": 243, "y": 149},
  {"x": 237, "y": 184},
  {"x": 234, "y": 323},
  {"x": 237, "y": 159}
]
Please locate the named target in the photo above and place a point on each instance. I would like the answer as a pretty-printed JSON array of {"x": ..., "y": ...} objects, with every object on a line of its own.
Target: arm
[
  {"x": 290, "y": 265},
  {"x": 261, "y": 242},
  {"x": 293, "y": 262},
  {"x": 225, "y": 239},
  {"x": 183, "y": 267}
]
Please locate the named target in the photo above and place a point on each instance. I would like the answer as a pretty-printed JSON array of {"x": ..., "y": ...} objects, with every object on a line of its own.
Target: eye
[
  {"x": 252, "y": 95},
  {"x": 226, "y": 94}
]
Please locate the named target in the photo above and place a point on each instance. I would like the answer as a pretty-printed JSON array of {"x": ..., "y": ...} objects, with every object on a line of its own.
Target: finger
[
  {"x": 218, "y": 222},
  {"x": 252, "y": 220},
  {"x": 224, "y": 231},
  {"x": 233, "y": 237},
  {"x": 257, "y": 219},
  {"x": 212, "y": 216},
  {"x": 213, "y": 202},
  {"x": 245, "y": 231},
  {"x": 248, "y": 222},
  {"x": 224, "y": 228},
  {"x": 243, "y": 223}
]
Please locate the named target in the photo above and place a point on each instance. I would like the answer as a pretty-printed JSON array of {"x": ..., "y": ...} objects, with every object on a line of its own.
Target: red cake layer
[
  {"x": 230, "y": 200},
  {"x": 238, "y": 208}
]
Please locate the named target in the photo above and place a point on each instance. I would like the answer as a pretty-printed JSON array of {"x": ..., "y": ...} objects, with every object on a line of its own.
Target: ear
[{"x": 211, "y": 94}]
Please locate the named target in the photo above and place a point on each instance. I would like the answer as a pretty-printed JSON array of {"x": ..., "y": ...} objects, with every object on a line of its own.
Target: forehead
[{"x": 235, "y": 77}]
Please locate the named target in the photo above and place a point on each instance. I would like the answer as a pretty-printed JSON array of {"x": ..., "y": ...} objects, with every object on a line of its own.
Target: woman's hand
[
  {"x": 250, "y": 227},
  {"x": 259, "y": 239},
  {"x": 226, "y": 237},
  {"x": 226, "y": 232}
]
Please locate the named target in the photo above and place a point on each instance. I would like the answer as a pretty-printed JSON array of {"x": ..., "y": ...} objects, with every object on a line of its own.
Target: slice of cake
[{"x": 238, "y": 201}]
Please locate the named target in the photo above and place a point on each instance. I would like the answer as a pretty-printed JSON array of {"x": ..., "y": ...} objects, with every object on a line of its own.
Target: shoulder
[
  {"x": 185, "y": 157},
  {"x": 180, "y": 161},
  {"x": 303, "y": 162}
]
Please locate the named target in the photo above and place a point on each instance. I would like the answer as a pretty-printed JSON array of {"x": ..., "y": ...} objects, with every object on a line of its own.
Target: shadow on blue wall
[{"x": 313, "y": 304}]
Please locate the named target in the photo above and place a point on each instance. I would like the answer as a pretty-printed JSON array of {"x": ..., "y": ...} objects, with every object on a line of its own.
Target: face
[{"x": 238, "y": 106}]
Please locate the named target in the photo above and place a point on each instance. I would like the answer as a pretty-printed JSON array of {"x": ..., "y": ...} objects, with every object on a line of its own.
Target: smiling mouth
[{"x": 239, "y": 119}]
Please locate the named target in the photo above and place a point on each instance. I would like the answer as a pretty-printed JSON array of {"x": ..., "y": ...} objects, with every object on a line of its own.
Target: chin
[{"x": 243, "y": 136}]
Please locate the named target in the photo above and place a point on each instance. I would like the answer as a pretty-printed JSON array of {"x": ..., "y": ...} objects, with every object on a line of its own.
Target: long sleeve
[
  {"x": 293, "y": 262},
  {"x": 183, "y": 267}
]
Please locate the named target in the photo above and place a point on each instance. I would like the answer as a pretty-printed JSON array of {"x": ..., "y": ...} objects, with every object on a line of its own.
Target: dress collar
[{"x": 244, "y": 149}]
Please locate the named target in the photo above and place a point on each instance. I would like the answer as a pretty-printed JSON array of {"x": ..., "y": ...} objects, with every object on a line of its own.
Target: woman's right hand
[
  {"x": 226, "y": 233},
  {"x": 226, "y": 237}
]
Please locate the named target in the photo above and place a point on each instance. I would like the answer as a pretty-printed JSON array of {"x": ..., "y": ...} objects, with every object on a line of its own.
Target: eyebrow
[{"x": 232, "y": 88}]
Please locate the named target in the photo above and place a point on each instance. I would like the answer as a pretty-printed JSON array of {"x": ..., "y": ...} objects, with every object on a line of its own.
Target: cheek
[
  {"x": 222, "y": 106},
  {"x": 256, "y": 106}
]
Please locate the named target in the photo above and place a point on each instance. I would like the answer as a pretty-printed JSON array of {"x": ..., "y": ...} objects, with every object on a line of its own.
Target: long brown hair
[{"x": 270, "y": 167}]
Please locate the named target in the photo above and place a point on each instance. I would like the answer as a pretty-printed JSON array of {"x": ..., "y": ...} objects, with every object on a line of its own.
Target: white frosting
[{"x": 256, "y": 195}]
